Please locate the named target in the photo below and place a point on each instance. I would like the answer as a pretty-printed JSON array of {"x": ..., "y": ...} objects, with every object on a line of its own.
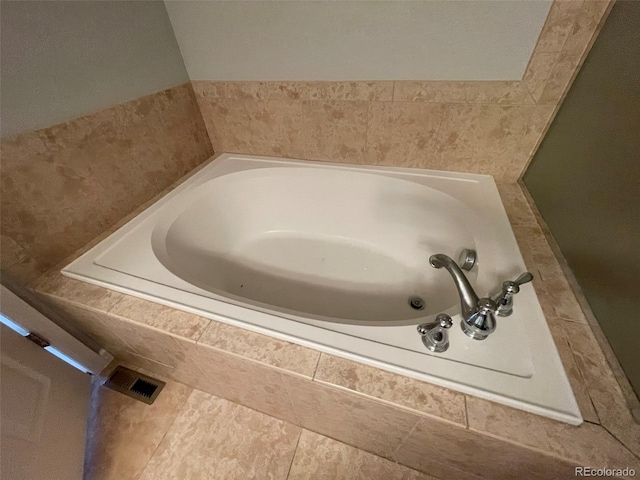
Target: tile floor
[{"x": 189, "y": 434}]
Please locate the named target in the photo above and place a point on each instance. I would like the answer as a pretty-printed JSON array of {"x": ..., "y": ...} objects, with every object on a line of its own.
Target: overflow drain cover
[{"x": 134, "y": 384}]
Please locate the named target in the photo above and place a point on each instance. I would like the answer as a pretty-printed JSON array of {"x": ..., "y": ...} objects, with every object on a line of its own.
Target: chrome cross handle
[
  {"x": 435, "y": 334},
  {"x": 504, "y": 300}
]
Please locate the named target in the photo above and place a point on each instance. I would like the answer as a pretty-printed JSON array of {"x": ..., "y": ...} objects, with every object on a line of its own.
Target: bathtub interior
[
  {"x": 327, "y": 256},
  {"x": 351, "y": 253},
  {"x": 254, "y": 227}
]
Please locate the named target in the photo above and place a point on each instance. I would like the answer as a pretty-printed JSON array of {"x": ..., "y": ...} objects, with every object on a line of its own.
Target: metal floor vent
[{"x": 134, "y": 384}]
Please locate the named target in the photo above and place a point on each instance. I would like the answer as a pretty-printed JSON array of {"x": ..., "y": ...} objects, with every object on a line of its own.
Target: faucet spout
[
  {"x": 478, "y": 314},
  {"x": 468, "y": 298}
]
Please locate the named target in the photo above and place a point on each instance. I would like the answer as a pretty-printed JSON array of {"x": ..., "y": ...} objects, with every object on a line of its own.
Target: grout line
[
  {"x": 292, "y": 404},
  {"x": 527, "y": 126},
  {"x": 305, "y": 139},
  {"x": 155, "y": 450},
  {"x": 366, "y": 133},
  {"x": 217, "y": 326},
  {"x": 446, "y": 101},
  {"x": 315, "y": 370},
  {"x": 466, "y": 412},
  {"x": 542, "y": 31},
  {"x": 251, "y": 360},
  {"x": 114, "y": 305},
  {"x": 621, "y": 442},
  {"x": 295, "y": 451},
  {"x": 526, "y": 89},
  {"x": 581, "y": 378},
  {"x": 404, "y": 440},
  {"x": 439, "y": 153},
  {"x": 382, "y": 401}
]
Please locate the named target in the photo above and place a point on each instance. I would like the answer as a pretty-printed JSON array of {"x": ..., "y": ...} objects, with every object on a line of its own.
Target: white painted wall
[
  {"x": 357, "y": 40},
  {"x": 64, "y": 59}
]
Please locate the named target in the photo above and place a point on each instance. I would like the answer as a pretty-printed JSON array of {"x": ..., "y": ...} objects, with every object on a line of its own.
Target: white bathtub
[{"x": 328, "y": 255}]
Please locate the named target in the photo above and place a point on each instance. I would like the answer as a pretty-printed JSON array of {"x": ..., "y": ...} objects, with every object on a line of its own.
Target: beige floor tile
[
  {"x": 321, "y": 458},
  {"x": 123, "y": 433},
  {"x": 216, "y": 439}
]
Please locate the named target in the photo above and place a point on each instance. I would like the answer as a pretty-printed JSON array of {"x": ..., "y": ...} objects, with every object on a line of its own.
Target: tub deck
[{"x": 183, "y": 252}]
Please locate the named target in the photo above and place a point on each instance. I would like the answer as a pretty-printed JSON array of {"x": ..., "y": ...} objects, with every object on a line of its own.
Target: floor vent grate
[{"x": 134, "y": 384}]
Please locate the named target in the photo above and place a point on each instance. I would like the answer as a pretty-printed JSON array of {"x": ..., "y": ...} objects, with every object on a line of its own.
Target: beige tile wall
[
  {"x": 490, "y": 127},
  {"x": 63, "y": 185}
]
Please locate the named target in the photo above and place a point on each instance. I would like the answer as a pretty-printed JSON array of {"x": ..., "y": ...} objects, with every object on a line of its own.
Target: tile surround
[
  {"x": 558, "y": 25},
  {"x": 486, "y": 457},
  {"x": 604, "y": 389},
  {"x": 335, "y": 130},
  {"x": 158, "y": 316},
  {"x": 484, "y": 138},
  {"x": 74, "y": 180},
  {"x": 55, "y": 284},
  {"x": 117, "y": 158},
  {"x": 377, "y": 426},
  {"x": 576, "y": 379},
  {"x": 616, "y": 369},
  {"x": 249, "y": 383},
  {"x": 348, "y": 407},
  {"x": 487, "y": 92},
  {"x": 270, "y": 351},
  {"x": 401, "y": 134},
  {"x": 343, "y": 399},
  {"x": 484, "y": 127},
  {"x": 596, "y": 446},
  {"x": 490, "y": 127},
  {"x": 398, "y": 389},
  {"x": 353, "y": 419}
]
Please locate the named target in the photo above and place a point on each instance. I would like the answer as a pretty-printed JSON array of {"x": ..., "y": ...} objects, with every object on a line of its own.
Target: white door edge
[{"x": 23, "y": 314}]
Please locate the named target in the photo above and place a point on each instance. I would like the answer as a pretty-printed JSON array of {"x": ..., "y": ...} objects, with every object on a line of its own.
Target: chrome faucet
[{"x": 478, "y": 314}]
